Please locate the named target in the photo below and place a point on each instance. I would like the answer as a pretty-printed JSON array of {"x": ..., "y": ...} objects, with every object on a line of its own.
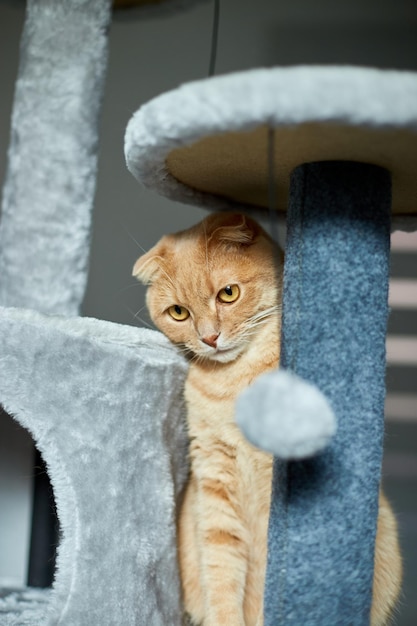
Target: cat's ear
[
  {"x": 236, "y": 229},
  {"x": 147, "y": 266}
]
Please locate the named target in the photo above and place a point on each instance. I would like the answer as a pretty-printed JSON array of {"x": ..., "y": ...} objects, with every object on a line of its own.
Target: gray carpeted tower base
[{"x": 324, "y": 511}]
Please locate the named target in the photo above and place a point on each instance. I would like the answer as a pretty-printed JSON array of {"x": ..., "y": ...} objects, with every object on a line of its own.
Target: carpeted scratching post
[
  {"x": 335, "y": 310},
  {"x": 51, "y": 175}
]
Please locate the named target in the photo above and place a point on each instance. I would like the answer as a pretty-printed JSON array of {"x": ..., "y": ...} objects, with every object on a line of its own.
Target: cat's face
[{"x": 212, "y": 287}]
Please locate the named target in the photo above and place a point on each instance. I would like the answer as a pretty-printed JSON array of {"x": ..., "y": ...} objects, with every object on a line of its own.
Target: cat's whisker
[
  {"x": 188, "y": 353},
  {"x": 133, "y": 239},
  {"x": 258, "y": 322},
  {"x": 250, "y": 331},
  {"x": 251, "y": 325},
  {"x": 123, "y": 289},
  {"x": 184, "y": 350},
  {"x": 140, "y": 310},
  {"x": 265, "y": 312},
  {"x": 137, "y": 317},
  {"x": 196, "y": 359}
]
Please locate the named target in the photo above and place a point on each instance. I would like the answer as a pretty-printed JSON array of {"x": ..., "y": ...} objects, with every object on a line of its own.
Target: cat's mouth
[{"x": 222, "y": 355}]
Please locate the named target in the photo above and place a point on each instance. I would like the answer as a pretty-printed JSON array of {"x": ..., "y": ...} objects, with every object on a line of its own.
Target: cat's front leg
[
  {"x": 260, "y": 618},
  {"x": 223, "y": 552}
]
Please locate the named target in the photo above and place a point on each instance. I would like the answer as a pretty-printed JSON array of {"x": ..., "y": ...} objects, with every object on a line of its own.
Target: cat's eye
[
  {"x": 228, "y": 294},
  {"x": 178, "y": 313}
]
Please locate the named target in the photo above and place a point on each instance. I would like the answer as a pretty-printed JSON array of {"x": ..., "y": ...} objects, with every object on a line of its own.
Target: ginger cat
[{"x": 215, "y": 291}]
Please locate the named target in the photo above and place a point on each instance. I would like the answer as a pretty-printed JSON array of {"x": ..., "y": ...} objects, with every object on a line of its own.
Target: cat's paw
[{"x": 285, "y": 415}]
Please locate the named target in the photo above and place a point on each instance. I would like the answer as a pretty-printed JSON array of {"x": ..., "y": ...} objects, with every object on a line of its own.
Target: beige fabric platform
[{"x": 214, "y": 150}]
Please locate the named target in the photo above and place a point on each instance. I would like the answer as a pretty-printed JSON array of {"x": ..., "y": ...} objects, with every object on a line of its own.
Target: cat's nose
[{"x": 211, "y": 340}]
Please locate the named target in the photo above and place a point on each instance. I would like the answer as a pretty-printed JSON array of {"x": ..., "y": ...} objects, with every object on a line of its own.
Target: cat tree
[{"x": 103, "y": 401}]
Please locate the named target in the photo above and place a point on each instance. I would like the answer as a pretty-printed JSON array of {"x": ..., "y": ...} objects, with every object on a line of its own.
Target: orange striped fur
[{"x": 223, "y": 521}]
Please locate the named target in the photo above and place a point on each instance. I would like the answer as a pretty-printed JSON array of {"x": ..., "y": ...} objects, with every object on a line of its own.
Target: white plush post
[{"x": 51, "y": 175}]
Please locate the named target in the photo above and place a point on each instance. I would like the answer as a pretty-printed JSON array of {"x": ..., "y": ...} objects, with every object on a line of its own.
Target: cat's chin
[{"x": 222, "y": 356}]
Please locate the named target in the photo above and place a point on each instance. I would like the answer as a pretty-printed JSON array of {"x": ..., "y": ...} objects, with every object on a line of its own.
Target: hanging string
[
  {"x": 214, "y": 37},
  {"x": 272, "y": 185}
]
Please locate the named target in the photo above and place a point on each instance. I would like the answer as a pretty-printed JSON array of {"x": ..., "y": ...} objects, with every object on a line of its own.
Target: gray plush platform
[
  {"x": 21, "y": 607},
  {"x": 104, "y": 405}
]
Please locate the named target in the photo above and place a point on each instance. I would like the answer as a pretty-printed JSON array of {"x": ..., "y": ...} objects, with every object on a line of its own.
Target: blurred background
[{"x": 150, "y": 55}]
